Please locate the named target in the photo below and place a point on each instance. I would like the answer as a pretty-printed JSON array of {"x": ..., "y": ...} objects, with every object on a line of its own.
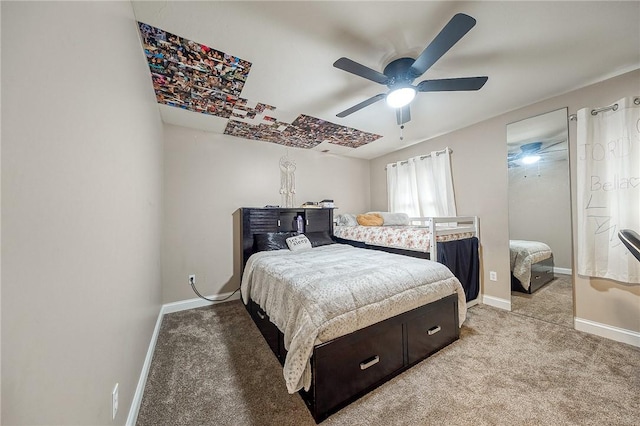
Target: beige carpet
[
  {"x": 552, "y": 303},
  {"x": 212, "y": 367}
]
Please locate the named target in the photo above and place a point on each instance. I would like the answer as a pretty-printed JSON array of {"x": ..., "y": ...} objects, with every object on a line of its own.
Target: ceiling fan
[
  {"x": 532, "y": 152},
  {"x": 399, "y": 74}
]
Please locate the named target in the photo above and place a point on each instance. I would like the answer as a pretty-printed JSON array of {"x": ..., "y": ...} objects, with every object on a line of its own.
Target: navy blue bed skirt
[{"x": 461, "y": 257}]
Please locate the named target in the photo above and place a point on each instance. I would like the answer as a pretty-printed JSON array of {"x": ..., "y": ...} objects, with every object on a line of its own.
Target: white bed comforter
[
  {"x": 523, "y": 255},
  {"x": 315, "y": 295}
]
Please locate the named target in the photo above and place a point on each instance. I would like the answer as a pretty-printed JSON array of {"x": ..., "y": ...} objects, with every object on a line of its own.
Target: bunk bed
[
  {"x": 455, "y": 244},
  {"x": 531, "y": 265},
  {"x": 342, "y": 320}
]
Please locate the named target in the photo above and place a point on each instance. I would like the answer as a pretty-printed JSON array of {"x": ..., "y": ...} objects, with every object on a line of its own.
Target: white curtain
[
  {"x": 608, "y": 184},
  {"x": 422, "y": 186}
]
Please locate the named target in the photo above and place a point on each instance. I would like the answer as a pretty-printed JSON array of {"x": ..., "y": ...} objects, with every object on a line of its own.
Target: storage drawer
[
  {"x": 268, "y": 329},
  {"x": 541, "y": 273},
  {"x": 431, "y": 328},
  {"x": 349, "y": 365}
]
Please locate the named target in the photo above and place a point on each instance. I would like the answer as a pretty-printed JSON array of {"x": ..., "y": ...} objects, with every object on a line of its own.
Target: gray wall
[
  {"x": 81, "y": 211},
  {"x": 480, "y": 180},
  {"x": 540, "y": 207},
  {"x": 208, "y": 177}
]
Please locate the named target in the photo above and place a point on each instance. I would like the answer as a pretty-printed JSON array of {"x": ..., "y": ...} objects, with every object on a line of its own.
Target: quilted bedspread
[
  {"x": 523, "y": 255},
  {"x": 315, "y": 295}
]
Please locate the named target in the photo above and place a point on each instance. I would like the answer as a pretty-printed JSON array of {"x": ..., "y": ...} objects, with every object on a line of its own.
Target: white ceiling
[{"x": 529, "y": 50}]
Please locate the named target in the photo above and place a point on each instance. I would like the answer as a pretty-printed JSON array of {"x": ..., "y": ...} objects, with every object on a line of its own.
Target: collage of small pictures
[{"x": 198, "y": 78}]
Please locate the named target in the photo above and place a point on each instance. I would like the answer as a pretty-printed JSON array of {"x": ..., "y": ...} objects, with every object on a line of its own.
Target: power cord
[{"x": 193, "y": 286}]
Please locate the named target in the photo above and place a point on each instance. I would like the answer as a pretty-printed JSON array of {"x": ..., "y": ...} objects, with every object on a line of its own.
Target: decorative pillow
[
  {"x": 370, "y": 219},
  {"x": 272, "y": 240},
  {"x": 346, "y": 219},
  {"x": 298, "y": 242},
  {"x": 319, "y": 238}
]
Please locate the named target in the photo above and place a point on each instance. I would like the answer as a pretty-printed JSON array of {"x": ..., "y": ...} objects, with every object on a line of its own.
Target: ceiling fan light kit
[
  {"x": 400, "y": 97},
  {"x": 399, "y": 74},
  {"x": 530, "y": 159}
]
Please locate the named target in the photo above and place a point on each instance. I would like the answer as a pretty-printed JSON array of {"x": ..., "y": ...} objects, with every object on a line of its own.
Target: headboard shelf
[{"x": 260, "y": 220}]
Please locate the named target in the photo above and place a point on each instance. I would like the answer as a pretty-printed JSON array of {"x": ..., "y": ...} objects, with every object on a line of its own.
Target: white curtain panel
[
  {"x": 608, "y": 169},
  {"x": 422, "y": 186}
]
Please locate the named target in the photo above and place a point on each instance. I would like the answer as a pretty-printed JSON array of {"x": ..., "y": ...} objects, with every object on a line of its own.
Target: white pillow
[
  {"x": 299, "y": 242},
  {"x": 347, "y": 219},
  {"x": 395, "y": 218}
]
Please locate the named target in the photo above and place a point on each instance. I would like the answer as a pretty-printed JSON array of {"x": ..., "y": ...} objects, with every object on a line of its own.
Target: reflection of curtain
[
  {"x": 422, "y": 186},
  {"x": 608, "y": 190}
]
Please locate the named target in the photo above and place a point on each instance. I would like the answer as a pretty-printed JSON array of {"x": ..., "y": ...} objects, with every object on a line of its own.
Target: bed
[
  {"x": 343, "y": 320},
  {"x": 531, "y": 265},
  {"x": 455, "y": 244}
]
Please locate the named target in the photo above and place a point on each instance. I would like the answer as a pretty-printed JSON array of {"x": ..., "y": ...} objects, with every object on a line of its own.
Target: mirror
[{"x": 540, "y": 217}]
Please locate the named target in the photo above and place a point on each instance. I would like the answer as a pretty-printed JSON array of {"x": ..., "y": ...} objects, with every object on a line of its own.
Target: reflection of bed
[
  {"x": 531, "y": 265},
  {"x": 344, "y": 320},
  {"x": 455, "y": 245}
]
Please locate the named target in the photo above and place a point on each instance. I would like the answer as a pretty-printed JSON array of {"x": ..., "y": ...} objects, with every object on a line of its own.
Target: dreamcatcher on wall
[{"x": 287, "y": 181}]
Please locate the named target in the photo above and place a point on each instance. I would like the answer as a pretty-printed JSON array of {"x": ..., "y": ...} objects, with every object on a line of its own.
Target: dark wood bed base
[
  {"x": 348, "y": 367},
  {"x": 541, "y": 274}
]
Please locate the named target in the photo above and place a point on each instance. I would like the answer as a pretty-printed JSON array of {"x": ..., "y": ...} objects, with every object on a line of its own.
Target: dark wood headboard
[{"x": 257, "y": 220}]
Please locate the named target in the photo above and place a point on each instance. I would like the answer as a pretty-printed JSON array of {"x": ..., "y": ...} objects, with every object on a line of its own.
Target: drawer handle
[
  {"x": 434, "y": 330},
  {"x": 278, "y": 222},
  {"x": 537, "y": 277},
  {"x": 260, "y": 314},
  {"x": 372, "y": 361}
]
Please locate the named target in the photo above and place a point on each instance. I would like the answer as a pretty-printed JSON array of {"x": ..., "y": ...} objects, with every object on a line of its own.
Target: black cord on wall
[{"x": 193, "y": 286}]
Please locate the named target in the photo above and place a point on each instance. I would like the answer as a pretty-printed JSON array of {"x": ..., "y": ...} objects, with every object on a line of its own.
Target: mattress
[
  {"x": 316, "y": 295},
  {"x": 407, "y": 237}
]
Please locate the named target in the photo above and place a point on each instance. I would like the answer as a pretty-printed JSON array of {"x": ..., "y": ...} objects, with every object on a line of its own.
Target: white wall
[
  {"x": 81, "y": 211},
  {"x": 480, "y": 179},
  {"x": 208, "y": 177}
]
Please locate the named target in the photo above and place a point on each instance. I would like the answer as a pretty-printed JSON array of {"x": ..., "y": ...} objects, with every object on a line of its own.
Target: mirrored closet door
[{"x": 540, "y": 217}]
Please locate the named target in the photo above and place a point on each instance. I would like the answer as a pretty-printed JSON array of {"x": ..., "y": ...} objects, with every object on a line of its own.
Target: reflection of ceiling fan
[
  {"x": 398, "y": 75},
  {"x": 530, "y": 153}
]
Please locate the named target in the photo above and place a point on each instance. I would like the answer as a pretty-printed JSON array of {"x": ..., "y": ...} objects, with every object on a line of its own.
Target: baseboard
[
  {"x": 137, "y": 396},
  {"x": 564, "y": 271},
  {"x": 167, "y": 308},
  {"x": 473, "y": 302},
  {"x": 183, "y": 305},
  {"x": 496, "y": 302},
  {"x": 608, "y": 331}
]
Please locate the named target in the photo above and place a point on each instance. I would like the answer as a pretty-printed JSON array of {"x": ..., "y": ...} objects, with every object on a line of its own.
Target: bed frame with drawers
[{"x": 346, "y": 368}]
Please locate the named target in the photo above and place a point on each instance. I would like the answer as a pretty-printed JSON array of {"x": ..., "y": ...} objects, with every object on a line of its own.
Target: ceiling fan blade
[
  {"x": 348, "y": 65},
  {"x": 455, "y": 29},
  {"x": 361, "y": 105},
  {"x": 403, "y": 115},
  {"x": 546, "y": 148},
  {"x": 452, "y": 84}
]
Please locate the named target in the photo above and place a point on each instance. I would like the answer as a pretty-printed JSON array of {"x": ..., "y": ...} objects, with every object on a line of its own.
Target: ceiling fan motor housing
[{"x": 399, "y": 72}]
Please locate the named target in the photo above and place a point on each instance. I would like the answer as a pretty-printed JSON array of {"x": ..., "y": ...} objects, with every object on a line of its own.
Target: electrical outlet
[
  {"x": 493, "y": 275},
  {"x": 114, "y": 402},
  {"x": 192, "y": 278}
]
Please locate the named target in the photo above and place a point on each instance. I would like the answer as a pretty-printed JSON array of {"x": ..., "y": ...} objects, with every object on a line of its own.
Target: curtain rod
[
  {"x": 422, "y": 157},
  {"x": 595, "y": 111}
]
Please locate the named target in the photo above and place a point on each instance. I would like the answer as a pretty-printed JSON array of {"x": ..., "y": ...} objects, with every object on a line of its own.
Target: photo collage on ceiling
[
  {"x": 192, "y": 76},
  {"x": 198, "y": 78}
]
